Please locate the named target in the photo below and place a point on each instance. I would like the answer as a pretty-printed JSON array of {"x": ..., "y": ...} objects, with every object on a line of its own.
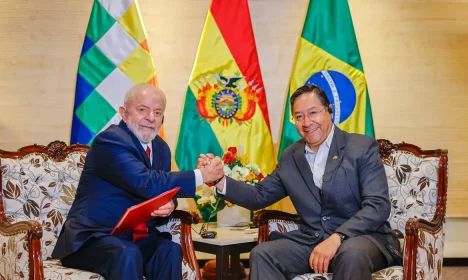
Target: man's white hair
[{"x": 141, "y": 88}]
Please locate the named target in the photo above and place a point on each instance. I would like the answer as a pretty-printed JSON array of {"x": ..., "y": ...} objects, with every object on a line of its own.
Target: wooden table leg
[
  {"x": 222, "y": 262},
  {"x": 235, "y": 266}
]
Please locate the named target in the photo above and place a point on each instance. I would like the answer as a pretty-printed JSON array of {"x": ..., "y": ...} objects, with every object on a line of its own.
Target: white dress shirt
[{"x": 318, "y": 160}]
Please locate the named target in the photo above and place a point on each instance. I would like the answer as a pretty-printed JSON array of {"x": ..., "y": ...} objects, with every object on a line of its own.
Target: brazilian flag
[{"x": 328, "y": 56}]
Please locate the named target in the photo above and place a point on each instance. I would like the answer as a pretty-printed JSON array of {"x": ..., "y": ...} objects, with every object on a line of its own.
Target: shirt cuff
[
  {"x": 198, "y": 178},
  {"x": 224, "y": 189}
]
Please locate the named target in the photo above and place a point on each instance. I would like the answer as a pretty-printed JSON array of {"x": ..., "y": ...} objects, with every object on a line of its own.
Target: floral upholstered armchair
[
  {"x": 38, "y": 188},
  {"x": 417, "y": 181}
]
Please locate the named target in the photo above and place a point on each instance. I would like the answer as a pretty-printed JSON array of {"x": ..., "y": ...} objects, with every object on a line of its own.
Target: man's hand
[
  {"x": 212, "y": 171},
  {"x": 204, "y": 160},
  {"x": 323, "y": 253},
  {"x": 164, "y": 210}
]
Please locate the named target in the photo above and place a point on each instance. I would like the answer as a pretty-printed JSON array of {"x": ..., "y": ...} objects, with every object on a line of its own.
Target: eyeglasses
[{"x": 311, "y": 116}]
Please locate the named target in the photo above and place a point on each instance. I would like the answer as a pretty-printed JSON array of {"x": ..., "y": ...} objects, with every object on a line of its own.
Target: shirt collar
[
  {"x": 145, "y": 145},
  {"x": 327, "y": 142}
]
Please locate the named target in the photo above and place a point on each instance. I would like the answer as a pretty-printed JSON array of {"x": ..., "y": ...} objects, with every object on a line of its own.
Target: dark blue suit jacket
[{"x": 117, "y": 175}]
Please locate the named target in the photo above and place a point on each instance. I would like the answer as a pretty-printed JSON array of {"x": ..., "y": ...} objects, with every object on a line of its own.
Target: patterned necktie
[{"x": 141, "y": 231}]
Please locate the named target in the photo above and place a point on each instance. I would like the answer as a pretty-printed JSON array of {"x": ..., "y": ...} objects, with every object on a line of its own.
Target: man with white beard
[{"x": 127, "y": 164}]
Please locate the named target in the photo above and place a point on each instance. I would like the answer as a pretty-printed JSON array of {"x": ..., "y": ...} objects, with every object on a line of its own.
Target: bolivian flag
[
  {"x": 328, "y": 56},
  {"x": 225, "y": 103}
]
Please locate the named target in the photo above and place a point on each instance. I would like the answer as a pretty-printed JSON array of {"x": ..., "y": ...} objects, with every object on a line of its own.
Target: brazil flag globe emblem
[
  {"x": 340, "y": 91},
  {"x": 328, "y": 56}
]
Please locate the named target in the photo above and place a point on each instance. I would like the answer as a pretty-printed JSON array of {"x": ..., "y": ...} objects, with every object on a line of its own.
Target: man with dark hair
[
  {"x": 337, "y": 183},
  {"x": 127, "y": 164}
]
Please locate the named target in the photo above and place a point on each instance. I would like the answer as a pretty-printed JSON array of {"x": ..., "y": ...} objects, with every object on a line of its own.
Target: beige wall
[{"x": 415, "y": 55}]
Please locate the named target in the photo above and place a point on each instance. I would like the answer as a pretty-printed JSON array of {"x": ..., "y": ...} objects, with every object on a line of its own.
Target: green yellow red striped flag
[
  {"x": 328, "y": 56},
  {"x": 225, "y": 103}
]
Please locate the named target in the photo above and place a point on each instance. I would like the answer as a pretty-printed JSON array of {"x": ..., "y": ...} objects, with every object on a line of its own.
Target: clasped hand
[{"x": 211, "y": 167}]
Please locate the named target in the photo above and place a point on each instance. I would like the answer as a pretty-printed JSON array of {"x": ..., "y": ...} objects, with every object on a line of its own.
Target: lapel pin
[{"x": 334, "y": 157}]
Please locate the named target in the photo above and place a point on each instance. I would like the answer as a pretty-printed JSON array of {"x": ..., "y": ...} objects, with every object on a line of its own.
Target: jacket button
[
  {"x": 324, "y": 218},
  {"x": 317, "y": 234}
]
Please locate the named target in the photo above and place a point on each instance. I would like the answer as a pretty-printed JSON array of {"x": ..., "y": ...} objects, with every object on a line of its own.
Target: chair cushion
[
  {"x": 390, "y": 273},
  {"x": 314, "y": 276},
  {"x": 53, "y": 270}
]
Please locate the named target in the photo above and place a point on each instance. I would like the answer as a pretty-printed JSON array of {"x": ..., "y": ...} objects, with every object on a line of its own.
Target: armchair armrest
[
  {"x": 21, "y": 249},
  {"x": 180, "y": 228},
  {"x": 425, "y": 243},
  {"x": 285, "y": 222},
  {"x": 188, "y": 218}
]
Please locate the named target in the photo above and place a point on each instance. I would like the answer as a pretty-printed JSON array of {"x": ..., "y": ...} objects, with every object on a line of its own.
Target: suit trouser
[
  {"x": 357, "y": 258},
  {"x": 120, "y": 259}
]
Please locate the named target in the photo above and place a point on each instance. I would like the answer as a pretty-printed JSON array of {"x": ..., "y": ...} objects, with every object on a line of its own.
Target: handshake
[{"x": 212, "y": 169}]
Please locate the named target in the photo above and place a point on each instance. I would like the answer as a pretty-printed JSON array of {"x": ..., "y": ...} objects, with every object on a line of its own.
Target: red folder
[{"x": 141, "y": 213}]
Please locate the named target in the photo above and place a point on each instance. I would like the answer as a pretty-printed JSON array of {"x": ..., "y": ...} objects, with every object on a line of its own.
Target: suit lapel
[
  {"x": 334, "y": 159},
  {"x": 156, "y": 154},
  {"x": 304, "y": 169}
]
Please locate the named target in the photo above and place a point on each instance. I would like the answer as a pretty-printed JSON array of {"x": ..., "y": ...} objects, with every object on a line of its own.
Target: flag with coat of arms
[{"x": 225, "y": 102}]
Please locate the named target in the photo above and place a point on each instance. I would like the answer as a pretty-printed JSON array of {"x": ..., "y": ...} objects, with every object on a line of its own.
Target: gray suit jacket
[{"x": 354, "y": 199}]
